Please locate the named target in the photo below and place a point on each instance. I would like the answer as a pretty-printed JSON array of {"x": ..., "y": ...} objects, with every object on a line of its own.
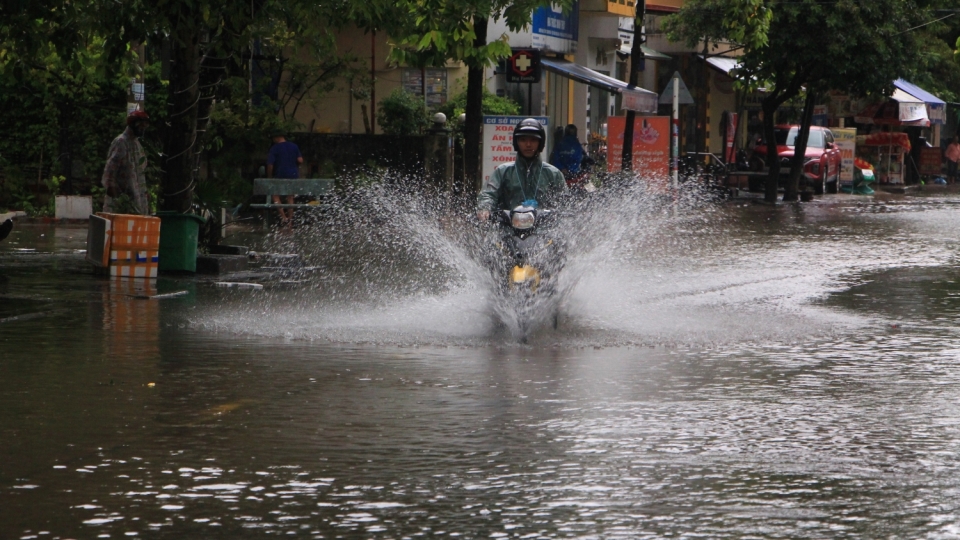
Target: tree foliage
[
  {"x": 402, "y": 113},
  {"x": 745, "y": 23},
  {"x": 492, "y": 105},
  {"x": 57, "y": 97}
]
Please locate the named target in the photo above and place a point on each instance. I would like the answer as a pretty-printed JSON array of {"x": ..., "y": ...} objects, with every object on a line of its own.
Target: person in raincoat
[
  {"x": 124, "y": 176},
  {"x": 568, "y": 154},
  {"x": 528, "y": 181}
]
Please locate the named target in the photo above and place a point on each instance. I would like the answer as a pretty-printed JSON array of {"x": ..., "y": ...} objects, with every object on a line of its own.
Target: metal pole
[
  {"x": 530, "y": 99},
  {"x": 676, "y": 129}
]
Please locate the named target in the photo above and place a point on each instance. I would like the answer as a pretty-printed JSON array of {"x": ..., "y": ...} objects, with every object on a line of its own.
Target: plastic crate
[{"x": 134, "y": 245}]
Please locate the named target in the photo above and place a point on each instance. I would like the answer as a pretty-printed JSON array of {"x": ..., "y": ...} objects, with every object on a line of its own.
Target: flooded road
[{"x": 734, "y": 371}]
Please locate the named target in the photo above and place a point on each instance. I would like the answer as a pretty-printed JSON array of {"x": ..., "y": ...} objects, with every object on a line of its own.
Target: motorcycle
[
  {"x": 581, "y": 182},
  {"x": 530, "y": 257}
]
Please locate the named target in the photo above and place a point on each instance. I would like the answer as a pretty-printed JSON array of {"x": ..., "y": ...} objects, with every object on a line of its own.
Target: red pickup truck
[{"x": 821, "y": 163}]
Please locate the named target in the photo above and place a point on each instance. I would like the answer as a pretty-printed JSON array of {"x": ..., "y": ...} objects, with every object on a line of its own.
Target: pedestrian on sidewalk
[
  {"x": 284, "y": 161},
  {"x": 953, "y": 156},
  {"x": 124, "y": 176}
]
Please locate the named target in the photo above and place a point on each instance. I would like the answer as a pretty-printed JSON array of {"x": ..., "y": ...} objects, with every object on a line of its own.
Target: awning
[
  {"x": 909, "y": 111},
  {"x": 723, "y": 63},
  {"x": 645, "y": 99},
  {"x": 648, "y": 53},
  {"x": 936, "y": 107},
  {"x": 901, "y": 109}
]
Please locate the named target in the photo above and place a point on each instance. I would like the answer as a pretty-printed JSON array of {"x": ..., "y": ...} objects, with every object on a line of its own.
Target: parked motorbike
[{"x": 529, "y": 258}]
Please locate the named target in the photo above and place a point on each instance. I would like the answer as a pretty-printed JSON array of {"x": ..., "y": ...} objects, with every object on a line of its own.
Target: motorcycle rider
[{"x": 528, "y": 181}]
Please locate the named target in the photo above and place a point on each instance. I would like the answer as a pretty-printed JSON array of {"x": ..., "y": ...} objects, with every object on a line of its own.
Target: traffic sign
[
  {"x": 667, "y": 95},
  {"x": 523, "y": 66}
]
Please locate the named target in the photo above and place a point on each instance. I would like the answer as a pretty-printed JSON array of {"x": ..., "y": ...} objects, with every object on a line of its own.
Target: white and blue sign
[{"x": 556, "y": 31}]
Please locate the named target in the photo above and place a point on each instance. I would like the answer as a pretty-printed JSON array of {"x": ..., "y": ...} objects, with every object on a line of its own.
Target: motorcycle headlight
[{"x": 522, "y": 220}]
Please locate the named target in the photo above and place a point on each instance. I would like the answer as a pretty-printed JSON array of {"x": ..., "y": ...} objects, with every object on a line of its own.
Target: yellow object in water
[{"x": 525, "y": 274}]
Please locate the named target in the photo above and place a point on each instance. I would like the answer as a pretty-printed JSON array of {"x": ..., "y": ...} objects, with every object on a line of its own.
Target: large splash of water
[{"x": 395, "y": 263}]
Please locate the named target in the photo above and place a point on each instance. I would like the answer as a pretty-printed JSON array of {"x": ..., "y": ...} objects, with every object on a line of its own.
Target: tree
[
  {"x": 884, "y": 51},
  {"x": 456, "y": 30}
]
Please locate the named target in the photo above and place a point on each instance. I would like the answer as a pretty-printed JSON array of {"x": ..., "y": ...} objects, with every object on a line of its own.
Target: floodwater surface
[{"x": 725, "y": 370}]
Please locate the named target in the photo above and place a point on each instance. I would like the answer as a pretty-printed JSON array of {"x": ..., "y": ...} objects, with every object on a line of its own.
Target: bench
[{"x": 311, "y": 187}]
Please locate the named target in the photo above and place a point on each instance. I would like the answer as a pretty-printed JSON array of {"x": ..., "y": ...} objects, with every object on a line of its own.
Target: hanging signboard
[
  {"x": 651, "y": 147},
  {"x": 554, "y": 30},
  {"x": 498, "y": 140},
  {"x": 846, "y": 141},
  {"x": 639, "y": 100},
  {"x": 819, "y": 116},
  {"x": 523, "y": 66}
]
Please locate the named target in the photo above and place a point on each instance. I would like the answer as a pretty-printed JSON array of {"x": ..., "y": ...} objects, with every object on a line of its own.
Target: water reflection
[
  {"x": 751, "y": 371},
  {"x": 131, "y": 320}
]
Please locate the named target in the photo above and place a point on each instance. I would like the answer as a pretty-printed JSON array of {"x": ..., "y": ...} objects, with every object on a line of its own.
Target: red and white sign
[
  {"x": 729, "y": 153},
  {"x": 651, "y": 147}
]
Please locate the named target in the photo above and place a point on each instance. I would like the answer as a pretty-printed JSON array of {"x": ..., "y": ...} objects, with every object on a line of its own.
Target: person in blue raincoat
[
  {"x": 568, "y": 154},
  {"x": 528, "y": 181}
]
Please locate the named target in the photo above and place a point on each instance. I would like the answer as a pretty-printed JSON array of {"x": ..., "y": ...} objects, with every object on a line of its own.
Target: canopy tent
[
  {"x": 901, "y": 109},
  {"x": 646, "y": 99},
  {"x": 936, "y": 107}
]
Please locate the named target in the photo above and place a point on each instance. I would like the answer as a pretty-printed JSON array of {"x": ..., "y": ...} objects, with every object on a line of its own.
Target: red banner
[{"x": 651, "y": 146}]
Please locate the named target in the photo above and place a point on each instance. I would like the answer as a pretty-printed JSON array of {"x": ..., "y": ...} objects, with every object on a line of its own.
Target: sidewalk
[{"x": 17, "y": 215}]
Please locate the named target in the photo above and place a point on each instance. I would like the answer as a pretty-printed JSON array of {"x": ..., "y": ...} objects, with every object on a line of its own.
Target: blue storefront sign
[{"x": 556, "y": 31}]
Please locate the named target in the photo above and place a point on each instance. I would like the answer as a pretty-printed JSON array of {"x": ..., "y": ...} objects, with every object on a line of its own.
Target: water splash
[{"x": 396, "y": 263}]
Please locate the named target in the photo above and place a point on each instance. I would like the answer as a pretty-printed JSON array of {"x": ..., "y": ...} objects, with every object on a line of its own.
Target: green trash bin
[{"x": 178, "y": 241}]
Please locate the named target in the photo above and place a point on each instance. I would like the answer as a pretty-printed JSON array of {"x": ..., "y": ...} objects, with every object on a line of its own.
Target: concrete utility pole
[
  {"x": 636, "y": 68},
  {"x": 675, "y": 130}
]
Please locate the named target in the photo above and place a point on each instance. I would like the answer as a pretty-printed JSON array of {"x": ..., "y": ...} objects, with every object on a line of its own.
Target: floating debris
[
  {"x": 145, "y": 296},
  {"x": 239, "y": 285}
]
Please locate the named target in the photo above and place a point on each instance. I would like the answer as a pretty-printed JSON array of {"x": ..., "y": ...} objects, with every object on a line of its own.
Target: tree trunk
[
  {"x": 636, "y": 68},
  {"x": 180, "y": 132},
  {"x": 792, "y": 188},
  {"x": 769, "y": 106},
  {"x": 474, "y": 121}
]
